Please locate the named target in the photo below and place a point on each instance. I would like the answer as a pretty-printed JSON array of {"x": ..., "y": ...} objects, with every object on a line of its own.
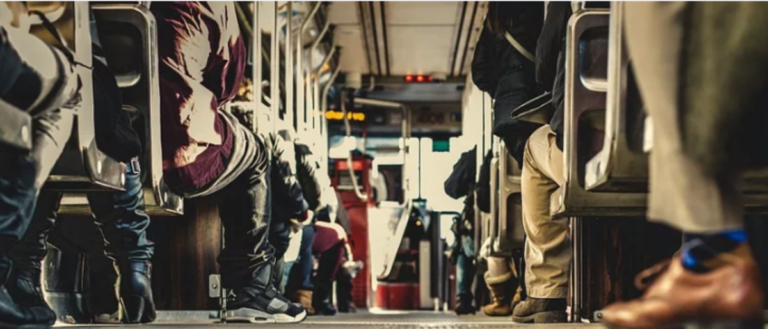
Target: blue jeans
[
  {"x": 286, "y": 274},
  {"x": 304, "y": 262},
  {"x": 119, "y": 215},
  {"x": 465, "y": 269},
  {"x": 22, "y": 175}
]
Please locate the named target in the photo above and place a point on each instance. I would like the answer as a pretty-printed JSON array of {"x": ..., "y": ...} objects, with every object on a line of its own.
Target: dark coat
[{"x": 508, "y": 76}]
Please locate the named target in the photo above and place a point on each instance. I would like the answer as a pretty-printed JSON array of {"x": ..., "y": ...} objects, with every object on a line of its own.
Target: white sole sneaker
[{"x": 256, "y": 316}]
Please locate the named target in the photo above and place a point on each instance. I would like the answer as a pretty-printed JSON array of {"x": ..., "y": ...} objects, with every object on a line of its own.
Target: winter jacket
[{"x": 507, "y": 75}]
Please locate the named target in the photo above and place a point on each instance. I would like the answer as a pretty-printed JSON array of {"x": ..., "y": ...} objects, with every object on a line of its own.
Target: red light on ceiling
[
  {"x": 408, "y": 78},
  {"x": 420, "y": 78}
]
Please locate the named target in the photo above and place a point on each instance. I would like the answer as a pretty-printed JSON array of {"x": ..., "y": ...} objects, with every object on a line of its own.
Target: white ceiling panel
[
  {"x": 353, "y": 50},
  {"x": 343, "y": 12},
  {"x": 422, "y": 49},
  {"x": 422, "y": 13}
]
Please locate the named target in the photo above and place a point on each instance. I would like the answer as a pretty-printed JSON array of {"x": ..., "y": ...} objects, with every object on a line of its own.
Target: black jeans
[
  {"x": 119, "y": 216},
  {"x": 244, "y": 198}
]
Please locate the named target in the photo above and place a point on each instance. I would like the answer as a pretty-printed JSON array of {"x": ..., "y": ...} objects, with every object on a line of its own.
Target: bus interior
[{"x": 382, "y": 94}]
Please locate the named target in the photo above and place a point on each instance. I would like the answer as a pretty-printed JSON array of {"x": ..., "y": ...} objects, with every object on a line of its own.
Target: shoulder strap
[{"x": 519, "y": 47}]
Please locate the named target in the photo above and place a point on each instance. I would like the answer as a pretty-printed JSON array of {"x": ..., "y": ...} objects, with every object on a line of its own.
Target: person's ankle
[{"x": 703, "y": 253}]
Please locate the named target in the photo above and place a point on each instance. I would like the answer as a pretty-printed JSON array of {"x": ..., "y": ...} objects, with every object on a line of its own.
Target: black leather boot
[
  {"x": 136, "y": 303},
  {"x": 321, "y": 300},
  {"x": 25, "y": 288},
  {"x": 13, "y": 315}
]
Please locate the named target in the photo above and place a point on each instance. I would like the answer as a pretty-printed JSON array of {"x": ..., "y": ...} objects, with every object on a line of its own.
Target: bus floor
[{"x": 363, "y": 319}]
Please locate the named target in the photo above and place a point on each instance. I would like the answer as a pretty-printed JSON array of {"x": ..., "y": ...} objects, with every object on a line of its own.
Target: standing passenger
[
  {"x": 207, "y": 152},
  {"x": 707, "y": 100}
]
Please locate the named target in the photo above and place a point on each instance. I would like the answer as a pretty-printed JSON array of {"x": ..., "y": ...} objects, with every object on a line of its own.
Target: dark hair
[{"x": 499, "y": 17}]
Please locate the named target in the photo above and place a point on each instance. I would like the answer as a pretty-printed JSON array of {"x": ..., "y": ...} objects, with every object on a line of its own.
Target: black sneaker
[{"x": 250, "y": 304}]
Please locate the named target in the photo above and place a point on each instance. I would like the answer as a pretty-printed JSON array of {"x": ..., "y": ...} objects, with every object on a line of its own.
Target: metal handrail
[{"x": 301, "y": 95}]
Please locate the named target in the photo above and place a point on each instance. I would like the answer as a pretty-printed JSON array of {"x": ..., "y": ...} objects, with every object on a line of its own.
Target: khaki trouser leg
[
  {"x": 548, "y": 246},
  {"x": 681, "y": 194}
]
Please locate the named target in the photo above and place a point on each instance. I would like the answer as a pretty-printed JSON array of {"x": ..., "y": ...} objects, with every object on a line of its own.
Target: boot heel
[{"x": 133, "y": 308}]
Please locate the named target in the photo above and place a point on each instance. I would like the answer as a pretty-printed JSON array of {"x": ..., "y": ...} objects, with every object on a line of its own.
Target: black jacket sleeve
[
  {"x": 485, "y": 70},
  {"x": 285, "y": 186},
  {"x": 463, "y": 175},
  {"x": 306, "y": 171},
  {"x": 551, "y": 42},
  {"x": 483, "y": 190}
]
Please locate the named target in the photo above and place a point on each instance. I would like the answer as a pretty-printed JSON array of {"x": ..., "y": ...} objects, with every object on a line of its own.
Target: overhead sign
[{"x": 339, "y": 116}]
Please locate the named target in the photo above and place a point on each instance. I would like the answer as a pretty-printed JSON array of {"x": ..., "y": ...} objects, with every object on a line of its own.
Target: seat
[
  {"x": 129, "y": 39},
  {"x": 82, "y": 166},
  {"x": 621, "y": 165},
  {"x": 508, "y": 232},
  {"x": 585, "y": 99}
]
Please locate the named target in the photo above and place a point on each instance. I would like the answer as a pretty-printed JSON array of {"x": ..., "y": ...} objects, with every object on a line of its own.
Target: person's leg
[
  {"x": 25, "y": 283},
  {"x": 247, "y": 261},
  {"x": 21, "y": 178},
  {"x": 123, "y": 223},
  {"x": 547, "y": 246},
  {"x": 714, "y": 278},
  {"x": 465, "y": 275},
  {"x": 303, "y": 271},
  {"x": 287, "y": 267},
  {"x": 501, "y": 282},
  {"x": 344, "y": 281},
  {"x": 329, "y": 263},
  {"x": 328, "y": 244}
]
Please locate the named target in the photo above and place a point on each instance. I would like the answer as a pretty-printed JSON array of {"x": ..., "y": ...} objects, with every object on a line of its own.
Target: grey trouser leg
[{"x": 703, "y": 108}]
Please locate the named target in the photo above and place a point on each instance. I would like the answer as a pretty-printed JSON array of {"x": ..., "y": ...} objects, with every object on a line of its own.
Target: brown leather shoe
[{"x": 731, "y": 293}]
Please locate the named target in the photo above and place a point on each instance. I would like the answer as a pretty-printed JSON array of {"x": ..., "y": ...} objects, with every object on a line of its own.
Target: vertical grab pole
[
  {"x": 324, "y": 120},
  {"x": 302, "y": 91},
  {"x": 316, "y": 84},
  {"x": 289, "y": 88},
  {"x": 314, "y": 96},
  {"x": 257, "y": 60},
  {"x": 315, "y": 102},
  {"x": 274, "y": 84}
]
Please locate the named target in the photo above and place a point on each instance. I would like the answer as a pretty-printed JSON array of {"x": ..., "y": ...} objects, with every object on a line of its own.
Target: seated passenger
[
  {"x": 207, "y": 152},
  {"x": 122, "y": 222},
  {"x": 707, "y": 100},
  {"x": 36, "y": 79},
  {"x": 503, "y": 66},
  {"x": 288, "y": 201},
  {"x": 547, "y": 246},
  {"x": 317, "y": 189}
]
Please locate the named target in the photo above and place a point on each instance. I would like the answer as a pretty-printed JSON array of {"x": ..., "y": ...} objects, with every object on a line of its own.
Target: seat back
[
  {"x": 129, "y": 39},
  {"x": 585, "y": 98},
  {"x": 509, "y": 231},
  {"x": 621, "y": 165},
  {"x": 82, "y": 166}
]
